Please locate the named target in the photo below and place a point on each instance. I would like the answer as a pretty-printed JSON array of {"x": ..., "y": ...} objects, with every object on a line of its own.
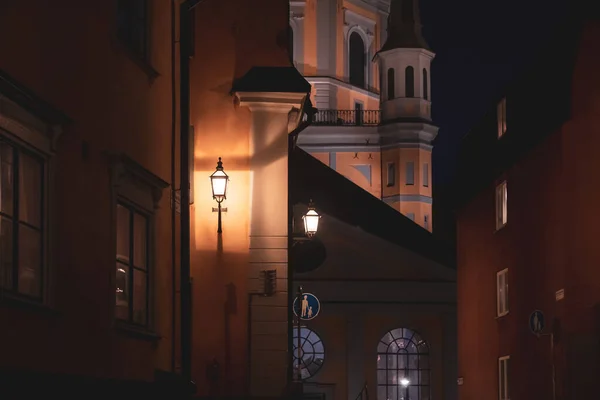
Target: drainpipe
[{"x": 185, "y": 33}]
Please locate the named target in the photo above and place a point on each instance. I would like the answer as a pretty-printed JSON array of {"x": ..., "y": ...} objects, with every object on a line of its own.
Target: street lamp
[
  {"x": 218, "y": 181},
  {"x": 311, "y": 220}
]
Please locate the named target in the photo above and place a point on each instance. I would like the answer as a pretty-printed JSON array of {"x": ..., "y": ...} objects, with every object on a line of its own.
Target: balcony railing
[{"x": 347, "y": 118}]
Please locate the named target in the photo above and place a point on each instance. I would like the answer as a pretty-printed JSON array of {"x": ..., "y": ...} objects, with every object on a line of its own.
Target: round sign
[{"x": 308, "y": 308}]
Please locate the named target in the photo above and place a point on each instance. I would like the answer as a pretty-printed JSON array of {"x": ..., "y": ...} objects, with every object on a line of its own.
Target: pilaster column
[{"x": 268, "y": 233}]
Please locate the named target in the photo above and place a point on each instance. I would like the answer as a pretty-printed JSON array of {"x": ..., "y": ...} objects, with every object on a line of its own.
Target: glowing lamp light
[
  {"x": 404, "y": 382},
  {"x": 218, "y": 181},
  {"x": 311, "y": 220}
]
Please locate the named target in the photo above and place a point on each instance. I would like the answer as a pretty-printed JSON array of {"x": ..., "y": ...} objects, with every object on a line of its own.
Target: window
[
  {"x": 22, "y": 209},
  {"x": 137, "y": 193},
  {"x": 391, "y": 174},
  {"x": 501, "y": 205},
  {"x": 391, "y": 84},
  {"x": 358, "y": 110},
  {"x": 357, "y": 60},
  {"x": 426, "y": 222},
  {"x": 132, "y": 291},
  {"x": 411, "y": 216},
  {"x": 132, "y": 25},
  {"x": 503, "y": 386},
  {"x": 311, "y": 354},
  {"x": 409, "y": 80},
  {"x": 425, "y": 85},
  {"x": 501, "y": 118},
  {"x": 410, "y": 173},
  {"x": 402, "y": 366},
  {"x": 425, "y": 178},
  {"x": 502, "y": 293}
]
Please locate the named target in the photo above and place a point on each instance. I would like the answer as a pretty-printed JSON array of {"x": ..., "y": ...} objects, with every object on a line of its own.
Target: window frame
[
  {"x": 36, "y": 137},
  {"x": 501, "y": 205},
  {"x": 391, "y": 178},
  {"x": 503, "y": 370},
  {"x": 305, "y": 339},
  {"x": 502, "y": 295},
  {"x": 139, "y": 188},
  {"x": 130, "y": 263},
  {"x": 409, "y": 75},
  {"x": 411, "y": 181},
  {"x": 501, "y": 118}
]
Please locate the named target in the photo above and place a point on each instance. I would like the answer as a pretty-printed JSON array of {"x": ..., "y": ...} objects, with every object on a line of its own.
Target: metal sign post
[{"x": 306, "y": 307}]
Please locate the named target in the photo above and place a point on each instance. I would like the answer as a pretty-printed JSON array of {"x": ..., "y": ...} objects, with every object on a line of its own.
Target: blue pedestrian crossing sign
[
  {"x": 308, "y": 307},
  {"x": 536, "y": 322}
]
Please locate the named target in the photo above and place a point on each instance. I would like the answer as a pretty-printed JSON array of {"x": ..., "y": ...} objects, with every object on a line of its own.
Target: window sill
[
  {"x": 16, "y": 301},
  {"x": 142, "y": 63},
  {"x": 137, "y": 331}
]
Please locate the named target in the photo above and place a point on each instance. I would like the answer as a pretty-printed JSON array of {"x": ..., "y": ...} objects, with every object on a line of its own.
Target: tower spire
[{"x": 404, "y": 26}]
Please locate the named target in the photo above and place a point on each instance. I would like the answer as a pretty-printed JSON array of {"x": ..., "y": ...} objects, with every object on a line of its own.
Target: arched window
[
  {"x": 425, "y": 85},
  {"x": 291, "y": 44},
  {"x": 409, "y": 80},
  {"x": 391, "y": 83},
  {"x": 357, "y": 60},
  {"x": 311, "y": 354},
  {"x": 402, "y": 366}
]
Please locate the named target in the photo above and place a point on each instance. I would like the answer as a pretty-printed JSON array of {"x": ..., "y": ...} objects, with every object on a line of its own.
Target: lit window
[
  {"x": 503, "y": 386},
  {"x": 502, "y": 293},
  {"x": 501, "y": 117},
  {"x": 132, "y": 265},
  {"x": 402, "y": 366},
  {"x": 22, "y": 213},
  {"x": 391, "y": 174},
  {"x": 501, "y": 205},
  {"x": 311, "y": 354}
]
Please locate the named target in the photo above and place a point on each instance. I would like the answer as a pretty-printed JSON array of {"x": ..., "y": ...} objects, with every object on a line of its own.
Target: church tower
[{"x": 406, "y": 131}]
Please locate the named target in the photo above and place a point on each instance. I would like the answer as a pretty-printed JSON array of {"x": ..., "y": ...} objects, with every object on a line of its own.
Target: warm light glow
[
  {"x": 404, "y": 382},
  {"x": 218, "y": 181},
  {"x": 311, "y": 221}
]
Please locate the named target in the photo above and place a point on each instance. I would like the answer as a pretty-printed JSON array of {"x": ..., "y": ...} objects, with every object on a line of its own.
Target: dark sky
[{"x": 479, "y": 46}]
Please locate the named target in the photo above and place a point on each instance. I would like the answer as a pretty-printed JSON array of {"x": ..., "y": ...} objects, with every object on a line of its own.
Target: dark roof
[
  {"x": 404, "y": 26},
  {"x": 272, "y": 79},
  {"x": 538, "y": 102},
  {"x": 25, "y": 98},
  {"x": 340, "y": 198}
]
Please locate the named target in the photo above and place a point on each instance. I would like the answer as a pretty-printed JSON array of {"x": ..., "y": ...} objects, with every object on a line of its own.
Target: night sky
[{"x": 479, "y": 46}]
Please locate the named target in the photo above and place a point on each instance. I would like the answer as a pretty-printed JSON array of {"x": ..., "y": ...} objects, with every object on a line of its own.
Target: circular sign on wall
[{"x": 308, "y": 307}]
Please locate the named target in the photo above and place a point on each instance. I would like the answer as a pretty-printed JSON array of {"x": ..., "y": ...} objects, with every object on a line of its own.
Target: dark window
[
  {"x": 409, "y": 80},
  {"x": 358, "y": 110},
  {"x": 132, "y": 25},
  {"x": 426, "y": 222},
  {"x": 425, "y": 178},
  {"x": 357, "y": 60},
  {"x": 391, "y": 174},
  {"x": 132, "y": 288},
  {"x": 425, "y": 85},
  {"x": 391, "y": 84},
  {"x": 403, "y": 366},
  {"x": 411, "y": 216},
  {"x": 291, "y": 44},
  {"x": 21, "y": 221},
  {"x": 311, "y": 354},
  {"x": 410, "y": 173}
]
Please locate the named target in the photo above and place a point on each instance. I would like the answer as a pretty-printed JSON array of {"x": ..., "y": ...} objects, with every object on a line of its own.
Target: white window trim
[
  {"x": 33, "y": 134},
  {"x": 365, "y": 27},
  {"x": 501, "y": 117},
  {"x": 135, "y": 185},
  {"x": 499, "y": 312},
  {"x": 502, "y": 365},
  {"x": 501, "y": 205}
]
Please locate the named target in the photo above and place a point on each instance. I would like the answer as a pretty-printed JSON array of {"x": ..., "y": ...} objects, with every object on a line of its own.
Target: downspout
[
  {"x": 185, "y": 33},
  {"x": 173, "y": 191}
]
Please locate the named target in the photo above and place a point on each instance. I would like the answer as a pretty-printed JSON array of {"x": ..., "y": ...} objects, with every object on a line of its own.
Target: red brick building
[{"x": 527, "y": 228}]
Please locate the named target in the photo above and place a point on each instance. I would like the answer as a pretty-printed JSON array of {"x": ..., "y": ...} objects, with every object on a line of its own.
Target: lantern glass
[
  {"x": 311, "y": 222},
  {"x": 218, "y": 181}
]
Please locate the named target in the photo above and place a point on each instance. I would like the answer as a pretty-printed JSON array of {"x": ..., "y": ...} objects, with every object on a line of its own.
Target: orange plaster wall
[
  {"x": 344, "y": 166},
  {"x": 323, "y": 157},
  {"x": 236, "y": 35}
]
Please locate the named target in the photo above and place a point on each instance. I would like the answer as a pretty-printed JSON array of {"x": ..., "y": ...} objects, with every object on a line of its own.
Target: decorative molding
[{"x": 313, "y": 80}]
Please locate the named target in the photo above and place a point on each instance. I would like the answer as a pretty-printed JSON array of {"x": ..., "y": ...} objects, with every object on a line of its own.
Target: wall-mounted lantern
[
  {"x": 218, "y": 181},
  {"x": 311, "y": 220}
]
